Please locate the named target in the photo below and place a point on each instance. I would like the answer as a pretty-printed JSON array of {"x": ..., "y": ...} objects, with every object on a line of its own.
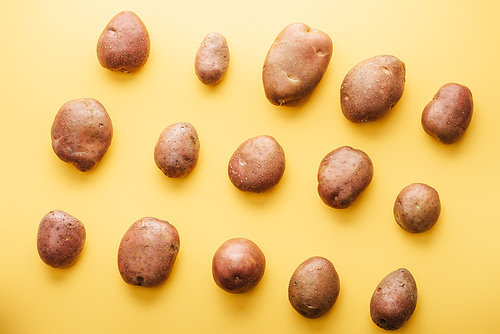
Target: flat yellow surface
[{"x": 48, "y": 56}]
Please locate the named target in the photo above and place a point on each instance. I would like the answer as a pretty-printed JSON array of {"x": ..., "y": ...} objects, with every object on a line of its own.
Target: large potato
[
  {"x": 295, "y": 64},
  {"x": 81, "y": 133},
  {"x": 212, "y": 59}
]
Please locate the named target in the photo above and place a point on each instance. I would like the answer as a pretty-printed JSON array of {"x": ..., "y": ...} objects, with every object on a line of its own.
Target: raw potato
[
  {"x": 449, "y": 114},
  {"x": 417, "y": 207},
  {"x": 212, "y": 59},
  {"x": 372, "y": 88},
  {"x": 238, "y": 265},
  {"x": 314, "y": 287},
  {"x": 257, "y": 165},
  {"x": 147, "y": 252},
  {"x": 81, "y": 133},
  {"x": 343, "y": 175},
  {"x": 60, "y": 240},
  {"x": 394, "y": 300},
  {"x": 124, "y": 45},
  {"x": 295, "y": 64},
  {"x": 177, "y": 150}
]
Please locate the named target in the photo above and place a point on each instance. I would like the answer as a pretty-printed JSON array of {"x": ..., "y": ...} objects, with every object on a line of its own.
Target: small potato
[
  {"x": 60, "y": 239},
  {"x": 394, "y": 300},
  {"x": 212, "y": 59},
  {"x": 343, "y": 175},
  {"x": 238, "y": 265},
  {"x": 177, "y": 150},
  {"x": 257, "y": 165},
  {"x": 295, "y": 64},
  {"x": 449, "y": 114},
  {"x": 372, "y": 88},
  {"x": 314, "y": 287},
  {"x": 147, "y": 252},
  {"x": 81, "y": 133},
  {"x": 124, "y": 44},
  {"x": 417, "y": 207}
]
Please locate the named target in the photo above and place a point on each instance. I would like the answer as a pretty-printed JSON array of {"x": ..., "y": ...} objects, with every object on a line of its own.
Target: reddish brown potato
[{"x": 212, "y": 59}]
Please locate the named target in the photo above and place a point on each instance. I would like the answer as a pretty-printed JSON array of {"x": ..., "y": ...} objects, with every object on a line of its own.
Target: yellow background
[{"x": 48, "y": 57}]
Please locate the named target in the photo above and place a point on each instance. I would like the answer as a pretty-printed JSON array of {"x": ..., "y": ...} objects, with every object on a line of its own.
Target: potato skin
[
  {"x": 394, "y": 300},
  {"x": 449, "y": 114},
  {"x": 212, "y": 59},
  {"x": 372, "y": 88},
  {"x": 177, "y": 150},
  {"x": 295, "y": 64},
  {"x": 81, "y": 133},
  {"x": 314, "y": 287},
  {"x": 343, "y": 175},
  {"x": 238, "y": 265},
  {"x": 60, "y": 239},
  {"x": 147, "y": 252}
]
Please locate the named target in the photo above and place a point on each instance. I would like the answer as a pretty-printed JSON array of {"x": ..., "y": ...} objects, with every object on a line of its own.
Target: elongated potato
[{"x": 212, "y": 59}]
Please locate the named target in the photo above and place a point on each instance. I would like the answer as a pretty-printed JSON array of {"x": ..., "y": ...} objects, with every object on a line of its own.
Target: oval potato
[{"x": 212, "y": 59}]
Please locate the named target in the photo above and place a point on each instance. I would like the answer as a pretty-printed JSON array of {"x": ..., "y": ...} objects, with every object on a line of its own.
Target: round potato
[{"x": 212, "y": 59}]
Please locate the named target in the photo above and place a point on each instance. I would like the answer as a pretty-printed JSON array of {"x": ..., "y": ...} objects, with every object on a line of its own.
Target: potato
[
  {"x": 372, "y": 88},
  {"x": 60, "y": 239},
  {"x": 177, "y": 150},
  {"x": 314, "y": 287},
  {"x": 238, "y": 265},
  {"x": 295, "y": 64},
  {"x": 417, "y": 207},
  {"x": 257, "y": 165},
  {"x": 212, "y": 59},
  {"x": 449, "y": 114},
  {"x": 148, "y": 251},
  {"x": 343, "y": 175},
  {"x": 124, "y": 44},
  {"x": 394, "y": 300},
  {"x": 81, "y": 133}
]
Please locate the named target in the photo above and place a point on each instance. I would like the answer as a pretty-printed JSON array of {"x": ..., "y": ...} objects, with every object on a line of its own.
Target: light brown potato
[
  {"x": 417, "y": 208},
  {"x": 257, "y": 165},
  {"x": 177, "y": 150},
  {"x": 449, "y": 114},
  {"x": 372, "y": 88},
  {"x": 343, "y": 175},
  {"x": 238, "y": 265},
  {"x": 314, "y": 287},
  {"x": 212, "y": 59},
  {"x": 81, "y": 133},
  {"x": 60, "y": 239},
  {"x": 394, "y": 300},
  {"x": 295, "y": 64},
  {"x": 148, "y": 251},
  {"x": 124, "y": 45}
]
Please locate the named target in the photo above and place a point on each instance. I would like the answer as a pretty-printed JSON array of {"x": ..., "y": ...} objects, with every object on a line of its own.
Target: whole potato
[
  {"x": 314, "y": 287},
  {"x": 449, "y": 114},
  {"x": 212, "y": 59},
  {"x": 177, "y": 150},
  {"x": 148, "y": 251},
  {"x": 417, "y": 207},
  {"x": 295, "y": 64},
  {"x": 124, "y": 44},
  {"x": 343, "y": 175},
  {"x": 81, "y": 133},
  {"x": 60, "y": 239},
  {"x": 372, "y": 88},
  {"x": 238, "y": 265},
  {"x": 394, "y": 300},
  {"x": 257, "y": 165}
]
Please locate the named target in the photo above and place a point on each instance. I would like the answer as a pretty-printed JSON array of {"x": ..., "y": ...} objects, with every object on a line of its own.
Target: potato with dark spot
[
  {"x": 295, "y": 64},
  {"x": 343, "y": 175},
  {"x": 212, "y": 59},
  {"x": 257, "y": 165},
  {"x": 60, "y": 239},
  {"x": 394, "y": 300},
  {"x": 81, "y": 133},
  {"x": 372, "y": 88},
  {"x": 148, "y": 251},
  {"x": 314, "y": 287},
  {"x": 177, "y": 150},
  {"x": 449, "y": 114}
]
